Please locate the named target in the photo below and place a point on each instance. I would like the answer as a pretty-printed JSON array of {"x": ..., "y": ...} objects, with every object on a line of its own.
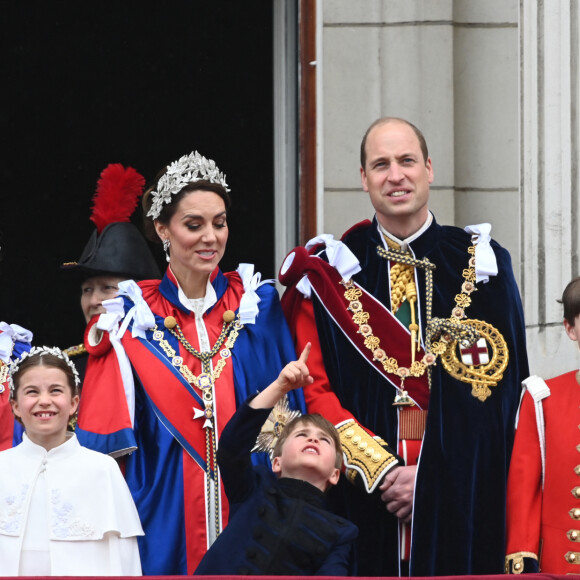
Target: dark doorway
[{"x": 85, "y": 84}]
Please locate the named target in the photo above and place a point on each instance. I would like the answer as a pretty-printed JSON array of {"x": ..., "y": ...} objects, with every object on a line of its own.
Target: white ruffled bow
[
  {"x": 110, "y": 321},
  {"x": 9, "y": 334},
  {"x": 249, "y": 302},
  {"x": 339, "y": 257},
  {"x": 485, "y": 260},
  {"x": 140, "y": 313}
]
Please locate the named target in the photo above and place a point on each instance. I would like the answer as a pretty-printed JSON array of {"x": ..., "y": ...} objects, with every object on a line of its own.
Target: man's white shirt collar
[{"x": 404, "y": 243}]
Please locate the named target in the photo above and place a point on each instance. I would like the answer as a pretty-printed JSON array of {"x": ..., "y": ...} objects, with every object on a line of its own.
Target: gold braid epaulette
[
  {"x": 514, "y": 563},
  {"x": 75, "y": 350},
  {"x": 365, "y": 455}
]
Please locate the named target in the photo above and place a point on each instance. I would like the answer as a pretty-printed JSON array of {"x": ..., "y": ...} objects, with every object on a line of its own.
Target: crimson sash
[
  {"x": 174, "y": 407},
  {"x": 395, "y": 339}
]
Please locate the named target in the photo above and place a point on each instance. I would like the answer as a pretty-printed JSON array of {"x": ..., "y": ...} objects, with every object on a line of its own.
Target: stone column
[{"x": 549, "y": 185}]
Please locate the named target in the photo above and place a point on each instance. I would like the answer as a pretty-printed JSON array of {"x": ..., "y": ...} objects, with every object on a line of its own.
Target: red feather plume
[{"x": 117, "y": 195}]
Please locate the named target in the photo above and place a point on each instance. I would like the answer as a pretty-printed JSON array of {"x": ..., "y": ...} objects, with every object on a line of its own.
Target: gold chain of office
[
  {"x": 440, "y": 331},
  {"x": 205, "y": 383}
]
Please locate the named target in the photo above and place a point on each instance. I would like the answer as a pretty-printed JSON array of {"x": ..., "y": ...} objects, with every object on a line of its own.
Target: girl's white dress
[{"x": 65, "y": 512}]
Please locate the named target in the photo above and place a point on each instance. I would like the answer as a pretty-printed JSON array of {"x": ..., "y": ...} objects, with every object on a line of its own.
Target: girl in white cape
[{"x": 64, "y": 510}]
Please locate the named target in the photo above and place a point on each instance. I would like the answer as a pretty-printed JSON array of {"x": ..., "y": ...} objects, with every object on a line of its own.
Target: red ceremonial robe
[{"x": 169, "y": 476}]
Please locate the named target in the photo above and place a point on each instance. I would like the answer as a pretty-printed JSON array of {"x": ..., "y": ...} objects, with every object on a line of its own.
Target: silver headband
[
  {"x": 187, "y": 169},
  {"x": 41, "y": 351}
]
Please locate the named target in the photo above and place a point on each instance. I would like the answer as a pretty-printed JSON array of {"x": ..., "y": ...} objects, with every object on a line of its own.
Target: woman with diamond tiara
[
  {"x": 175, "y": 360},
  {"x": 64, "y": 510}
]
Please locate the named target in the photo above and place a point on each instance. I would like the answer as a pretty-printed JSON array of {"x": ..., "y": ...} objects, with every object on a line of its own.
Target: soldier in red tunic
[{"x": 543, "y": 502}]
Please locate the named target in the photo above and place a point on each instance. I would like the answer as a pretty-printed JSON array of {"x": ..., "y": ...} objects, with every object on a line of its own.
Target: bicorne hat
[{"x": 116, "y": 247}]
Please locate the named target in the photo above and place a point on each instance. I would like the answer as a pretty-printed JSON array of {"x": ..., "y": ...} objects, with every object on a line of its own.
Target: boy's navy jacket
[{"x": 277, "y": 526}]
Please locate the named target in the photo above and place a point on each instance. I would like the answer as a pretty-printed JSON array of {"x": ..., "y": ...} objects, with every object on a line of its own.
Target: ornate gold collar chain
[
  {"x": 441, "y": 333},
  {"x": 205, "y": 382}
]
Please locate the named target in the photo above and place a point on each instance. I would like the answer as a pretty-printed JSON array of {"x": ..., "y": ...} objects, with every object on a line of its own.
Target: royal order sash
[
  {"x": 175, "y": 410},
  {"x": 395, "y": 339}
]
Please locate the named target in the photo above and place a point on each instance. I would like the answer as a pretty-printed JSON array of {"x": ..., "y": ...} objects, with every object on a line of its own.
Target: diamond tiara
[
  {"x": 41, "y": 351},
  {"x": 187, "y": 169}
]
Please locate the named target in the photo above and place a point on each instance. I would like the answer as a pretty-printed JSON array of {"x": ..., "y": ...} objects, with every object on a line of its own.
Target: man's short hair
[
  {"x": 571, "y": 301},
  {"x": 382, "y": 121},
  {"x": 316, "y": 420}
]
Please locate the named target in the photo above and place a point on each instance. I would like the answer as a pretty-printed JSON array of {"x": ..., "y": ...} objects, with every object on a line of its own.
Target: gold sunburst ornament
[{"x": 277, "y": 420}]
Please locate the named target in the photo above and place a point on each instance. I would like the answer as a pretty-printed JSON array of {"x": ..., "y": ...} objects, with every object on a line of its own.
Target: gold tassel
[{"x": 411, "y": 291}]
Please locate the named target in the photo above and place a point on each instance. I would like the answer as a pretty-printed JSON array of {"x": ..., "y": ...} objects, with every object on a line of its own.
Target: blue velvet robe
[{"x": 459, "y": 507}]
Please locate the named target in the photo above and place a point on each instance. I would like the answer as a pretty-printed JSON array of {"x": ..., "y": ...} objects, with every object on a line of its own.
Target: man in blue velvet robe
[{"x": 418, "y": 340}]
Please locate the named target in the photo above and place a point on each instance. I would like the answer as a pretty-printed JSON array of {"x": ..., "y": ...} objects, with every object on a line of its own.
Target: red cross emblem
[{"x": 476, "y": 354}]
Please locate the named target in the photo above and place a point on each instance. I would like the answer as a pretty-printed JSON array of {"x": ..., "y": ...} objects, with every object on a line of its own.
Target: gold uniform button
[
  {"x": 517, "y": 566},
  {"x": 575, "y": 513},
  {"x": 356, "y": 439},
  {"x": 571, "y": 557},
  {"x": 362, "y": 445},
  {"x": 573, "y": 535},
  {"x": 577, "y": 470},
  {"x": 576, "y": 491},
  {"x": 349, "y": 433},
  {"x": 369, "y": 451},
  {"x": 376, "y": 457}
]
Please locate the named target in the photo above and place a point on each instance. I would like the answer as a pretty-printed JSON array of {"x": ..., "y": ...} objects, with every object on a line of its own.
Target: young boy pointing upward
[{"x": 278, "y": 520}]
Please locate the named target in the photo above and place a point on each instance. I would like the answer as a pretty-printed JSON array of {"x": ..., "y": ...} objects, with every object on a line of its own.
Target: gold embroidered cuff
[
  {"x": 514, "y": 563},
  {"x": 365, "y": 455}
]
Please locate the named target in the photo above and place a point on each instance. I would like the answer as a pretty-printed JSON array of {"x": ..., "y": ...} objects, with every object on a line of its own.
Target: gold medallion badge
[
  {"x": 473, "y": 364},
  {"x": 463, "y": 344}
]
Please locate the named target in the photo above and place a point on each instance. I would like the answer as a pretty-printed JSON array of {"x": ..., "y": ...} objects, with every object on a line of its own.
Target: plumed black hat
[
  {"x": 116, "y": 247},
  {"x": 119, "y": 250}
]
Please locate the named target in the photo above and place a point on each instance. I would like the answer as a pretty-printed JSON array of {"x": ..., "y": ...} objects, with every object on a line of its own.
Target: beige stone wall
[
  {"x": 550, "y": 182},
  {"x": 384, "y": 58},
  {"x": 449, "y": 67}
]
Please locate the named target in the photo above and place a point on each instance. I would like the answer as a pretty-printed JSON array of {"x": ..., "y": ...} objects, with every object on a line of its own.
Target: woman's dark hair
[{"x": 169, "y": 208}]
